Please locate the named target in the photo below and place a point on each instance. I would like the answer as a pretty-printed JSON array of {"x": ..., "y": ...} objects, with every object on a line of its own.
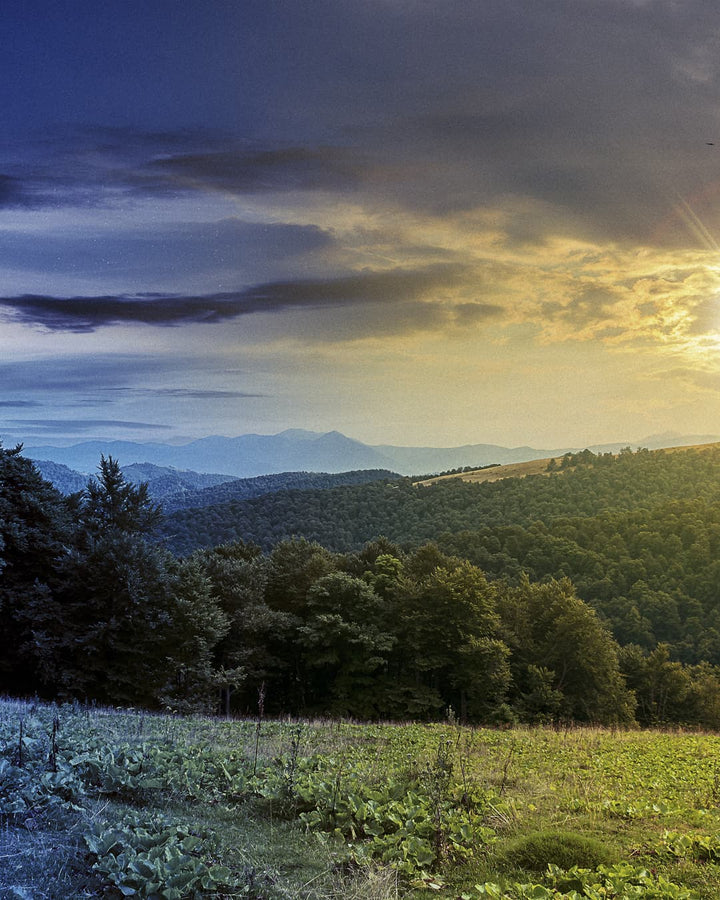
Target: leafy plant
[
  {"x": 151, "y": 858},
  {"x": 619, "y": 882}
]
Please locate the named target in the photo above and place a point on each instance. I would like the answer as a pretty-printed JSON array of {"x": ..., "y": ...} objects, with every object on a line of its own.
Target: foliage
[
  {"x": 345, "y": 518},
  {"x": 484, "y": 622},
  {"x": 620, "y": 882},
  {"x": 564, "y": 849},
  {"x": 36, "y": 535},
  {"x": 90, "y": 608},
  {"x": 238, "y": 489},
  {"x": 150, "y": 857},
  {"x": 155, "y": 806},
  {"x": 565, "y": 662}
]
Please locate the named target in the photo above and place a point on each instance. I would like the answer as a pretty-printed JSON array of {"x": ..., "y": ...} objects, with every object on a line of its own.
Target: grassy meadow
[{"x": 96, "y": 802}]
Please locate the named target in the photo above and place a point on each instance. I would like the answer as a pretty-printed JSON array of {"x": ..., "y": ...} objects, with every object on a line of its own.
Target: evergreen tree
[{"x": 36, "y": 536}]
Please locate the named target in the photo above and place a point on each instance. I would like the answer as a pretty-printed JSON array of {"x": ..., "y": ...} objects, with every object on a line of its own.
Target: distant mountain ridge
[
  {"x": 162, "y": 481},
  {"x": 297, "y": 450},
  {"x": 178, "y": 490}
]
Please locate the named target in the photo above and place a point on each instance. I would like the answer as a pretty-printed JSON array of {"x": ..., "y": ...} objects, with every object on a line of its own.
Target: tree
[
  {"x": 127, "y": 624},
  {"x": 254, "y": 642},
  {"x": 293, "y": 567},
  {"x": 111, "y": 502},
  {"x": 450, "y": 636},
  {"x": 661, "y": 685},
  {"x": 548, "y": 628},
  {"x": 199, "y": 625},
  {"x": 346, "y": 643},
  {"x": 36, "y": 535}
]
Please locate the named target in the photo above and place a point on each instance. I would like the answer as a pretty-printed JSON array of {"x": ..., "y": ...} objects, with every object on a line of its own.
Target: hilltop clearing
[
  {"x": 495, "y": 473},
  {"x": 540, "y": 466}
]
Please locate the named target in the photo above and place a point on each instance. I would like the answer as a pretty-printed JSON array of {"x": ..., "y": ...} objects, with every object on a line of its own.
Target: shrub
[{"x": 560, "y": 848}]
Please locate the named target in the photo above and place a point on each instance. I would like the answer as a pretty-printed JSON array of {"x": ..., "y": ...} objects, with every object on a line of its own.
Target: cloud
[
  {"x": 702, "y": 377},
  {"x": 105, "y": 167},
  {"x": 188, "y": 394},
  {"x": 11, "y": 192},
  {"x": 211, "y": 251},
  {"x": 81, "y": 425},
  {"x": 254, "y": 170},
  {"x": 18, "y": 404},
  {"x": 87, "y": 314},
  {"x": 78, "y": 375},
  {"x": 592, "y": 305},
  {"x": 599, "y": 109}
]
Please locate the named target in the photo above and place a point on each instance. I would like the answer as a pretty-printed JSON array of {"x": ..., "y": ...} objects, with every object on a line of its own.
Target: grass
[
  {"x": 571, "y": 797},
  {"x": 497, "y": 473},
  {"x": 534, "y": 852},
  {"x": 534, "y": 467}
]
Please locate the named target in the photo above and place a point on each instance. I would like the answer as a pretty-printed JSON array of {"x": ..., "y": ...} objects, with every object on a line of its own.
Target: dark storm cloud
[
  {"x": 32, "y": 190},
  {"x": 101, "y": 166},
  {"x": 597, "y": 110},
  {"x": 11, "y": 191},
  {"x": 86, "y": 314}
]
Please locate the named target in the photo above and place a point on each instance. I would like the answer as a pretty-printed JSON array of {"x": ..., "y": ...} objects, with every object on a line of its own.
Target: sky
[{"x": 411, "y": 221}]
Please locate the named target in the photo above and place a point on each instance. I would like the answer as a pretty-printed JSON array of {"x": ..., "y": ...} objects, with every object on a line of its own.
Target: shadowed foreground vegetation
[{"x": 102, "y": 803}]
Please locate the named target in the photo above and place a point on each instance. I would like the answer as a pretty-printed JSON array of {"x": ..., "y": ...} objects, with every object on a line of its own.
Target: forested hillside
[
  {"x": 586, "y": 594},
  {"x": 346, "y": 518},
  {"x": 245, "y": 488},
  {"x": 638, "y": 534},
  {"x": 178, "y": 489},
  {"x": 66, "y": 480}
]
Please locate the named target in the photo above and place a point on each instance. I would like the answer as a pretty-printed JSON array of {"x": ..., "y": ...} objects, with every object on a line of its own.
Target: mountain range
[
  {"x": 297, "y": 450},
  {"x": 163, "y": 482},
  {"x": 178, "y": 489}
]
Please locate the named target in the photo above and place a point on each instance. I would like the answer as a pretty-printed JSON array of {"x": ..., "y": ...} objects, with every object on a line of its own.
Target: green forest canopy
[{"x": 586, "y": 595}]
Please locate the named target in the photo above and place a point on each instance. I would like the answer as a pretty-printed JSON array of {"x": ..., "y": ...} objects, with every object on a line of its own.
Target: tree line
[{"x": 93, "y": 609}]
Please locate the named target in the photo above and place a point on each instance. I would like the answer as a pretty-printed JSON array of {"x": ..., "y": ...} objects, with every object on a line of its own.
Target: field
[
  {"x": 496, "y": 473},
  {"x": 531, "y": 467},
  {"x": 121, "y": 803}
]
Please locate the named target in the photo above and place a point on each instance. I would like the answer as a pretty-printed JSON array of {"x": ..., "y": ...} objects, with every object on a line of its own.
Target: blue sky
[{"x": 416, "y": 223}]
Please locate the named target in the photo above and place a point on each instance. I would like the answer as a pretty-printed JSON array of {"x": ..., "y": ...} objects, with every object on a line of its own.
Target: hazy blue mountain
[
  {"x": 178, "y": 489},
  {"x": 297, "y": 450},
  {"x": 66, "y": 480},
  {"x": 245, "y": 457},
  {"x": 659, "y": 441},
  {"x": 421, "y": 460},
  {"x": 166, "y": 482},
  {"x": 162, "y": 481}
]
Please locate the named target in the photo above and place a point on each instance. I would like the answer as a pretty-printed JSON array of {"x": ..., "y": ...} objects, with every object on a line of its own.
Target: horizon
[
  {"x": 418, "y": 225},
  {"x": 659, "y": 438}
]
